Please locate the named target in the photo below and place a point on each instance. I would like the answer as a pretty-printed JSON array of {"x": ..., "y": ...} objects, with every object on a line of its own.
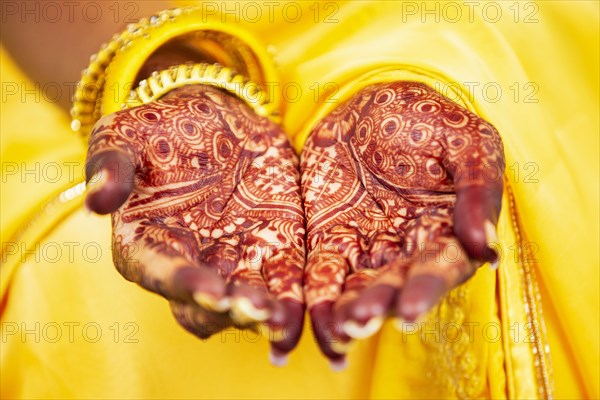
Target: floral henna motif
[
  {"x": 402, "y": 190},
  {"x": 207, "y": 211}
]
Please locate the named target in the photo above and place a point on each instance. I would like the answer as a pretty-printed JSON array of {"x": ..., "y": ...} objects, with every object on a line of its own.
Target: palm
[
  {"x": 386, "y": 230},
  {"x": 207, "y": 210}
]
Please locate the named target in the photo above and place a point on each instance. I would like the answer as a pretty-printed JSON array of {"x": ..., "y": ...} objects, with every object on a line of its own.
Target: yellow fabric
[{"x": 153, "y": 358}]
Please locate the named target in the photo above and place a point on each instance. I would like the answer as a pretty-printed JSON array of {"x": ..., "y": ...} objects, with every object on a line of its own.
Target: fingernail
[
  {"x": 491, "y": 236},
  {"x": 210, "y": 303},
  {"x": 494, "y": 265},
  {"x": 475, "y": 264},
  {"x": 278, "y": 360},
  {"x": 342, "y": 347},
  {"x": 95, "y": 184},
  {"x": 490, "y": 232},
  {"x": 243, "y": 311},
  {"x": 338, "y": 365},
  {"x": 356, "y": 331},
  {"x": 412, "y": 311},
  {"x": 97, "y": 181}
]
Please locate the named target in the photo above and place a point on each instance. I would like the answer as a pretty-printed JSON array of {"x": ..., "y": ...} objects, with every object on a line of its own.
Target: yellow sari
[{"x": 72, "y": 327}]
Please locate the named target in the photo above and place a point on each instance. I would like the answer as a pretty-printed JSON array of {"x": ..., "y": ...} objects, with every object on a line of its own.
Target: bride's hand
[
  {"x": 206, "y": 211},
  {"x": 402, "y": 190}
]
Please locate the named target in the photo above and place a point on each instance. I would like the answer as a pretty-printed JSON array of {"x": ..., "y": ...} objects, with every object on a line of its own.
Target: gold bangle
[
  {"x": 161, "y": 83},
  {"x": 86, "y": 105},
  {"x": 106, "y": 82}
]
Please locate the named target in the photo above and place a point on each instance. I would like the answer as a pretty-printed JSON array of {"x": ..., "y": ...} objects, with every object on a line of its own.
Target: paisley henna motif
[
  {"x": 402, "y": 190},
  {"x": 208, "y": 194}
]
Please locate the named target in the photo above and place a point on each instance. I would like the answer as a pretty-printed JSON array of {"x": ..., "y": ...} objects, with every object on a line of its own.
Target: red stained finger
[
  {"x": 331, "y": 339},
  {"x": 323, "y": 281},
  {"x": 431, "y": 275},
  {"x": 324, "y": 277},
  {"x": 420, "y": 294},
  {"x": 112, "y": 162},
  {"x": 283, "y": 274},
  {"x": 250, "y": 301},
  {"x": 164, "y": 259},
  {"x": 286, "y": 324},
  {"x": 475, "y": 215},
  {"x": 364, "y": 316},
  {"x": 202, "y": 285},
  {"x": 363, "y": 306},
  {"x": 110, "y": 179},
  {"x": 198, "y": 321},
  {"x": 385, "y": 248},
  {"x": 474, "y": 158}
]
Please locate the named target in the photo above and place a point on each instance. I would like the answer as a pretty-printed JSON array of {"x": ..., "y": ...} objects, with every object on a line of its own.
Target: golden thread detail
[{"x": 533, "y": 305}]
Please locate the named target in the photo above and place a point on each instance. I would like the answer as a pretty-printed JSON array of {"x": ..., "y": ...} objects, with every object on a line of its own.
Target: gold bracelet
[
  {"x": 107, "y": 81},
  {"x": 86, "y": 106},
  {"x": 161, "y": 83}
]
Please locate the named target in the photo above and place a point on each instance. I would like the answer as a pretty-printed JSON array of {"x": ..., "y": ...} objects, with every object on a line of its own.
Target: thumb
[
  {"x": 475, "y": 217},
  {"x": 110, "y": 178}
]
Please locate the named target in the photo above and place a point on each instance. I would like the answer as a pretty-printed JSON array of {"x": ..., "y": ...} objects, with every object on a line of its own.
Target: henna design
[
  {"x": 400, "y": 188},
  {"x": 209, "y": 194}
]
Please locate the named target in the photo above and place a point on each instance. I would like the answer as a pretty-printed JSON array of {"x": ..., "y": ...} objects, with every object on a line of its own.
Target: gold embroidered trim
[{"x": 533, "y": 304}]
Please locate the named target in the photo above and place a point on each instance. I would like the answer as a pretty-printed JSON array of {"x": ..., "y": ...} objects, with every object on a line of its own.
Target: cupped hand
[
  {"x": 402, "y": 191},
  {"x": 206, "y": 211}
]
